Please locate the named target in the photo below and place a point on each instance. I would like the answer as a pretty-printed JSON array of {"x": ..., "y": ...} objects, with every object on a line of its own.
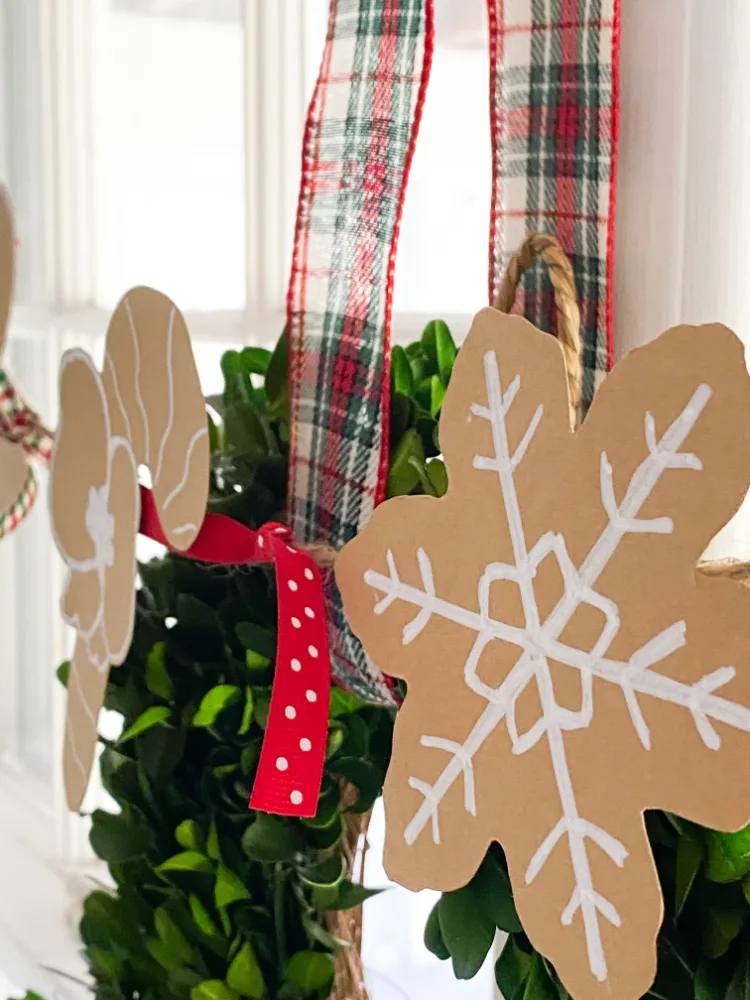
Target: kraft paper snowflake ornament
[
  {"x": 567, "y": 665},
  {"x": 144, "y": 410}
]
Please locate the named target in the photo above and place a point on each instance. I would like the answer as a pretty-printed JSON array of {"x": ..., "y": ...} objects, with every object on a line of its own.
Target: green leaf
[
  {"x": 271, "y": 839},
  {"x": 326, "y": 874},
  {"x": 115, "y": 839},
  {"x": 343, "y": 703},
  {"x": 437, "y": 395},
  {"x": 402, "y": 477},
  {"x": 160, "y": 952},
  {"x": 495, "y": 896},
  {"x": 157, "y": 715},
  {"x": 446, "y": 351},
  {"x": 438, "y": 476},
  {"x": 739, "y": 987},
  {"x": 345, "y": 896},
  {"x": 158, "y": 680},
  {"x": 728, "y": 855},
  {"x": 186, "y": 861},
  {"x": 229, "y": 887},
  {"x": 245, "y": 430},
  {"x": 214, "y": 703},
  {"x": 310, "y": 971},
  {"x": 247, "y": 714},
  {"x": 467, "y": 932},
  {"x": 256, "y": 661},
  {"x": 336, "y": 740},
  {"x": 402, "y": 379},
  {"x": 255, "y": 360},
  {"x": 212, "y": 844},
  {"x": 712, "y": 980},
  {"x": 429, "y": 344},
  {"x": 277, "y": 377},
  {"x": 687, "y": 864},
  {"x": 172, "y": 937},
  {"x": 212, "y": 989},
  {"x": 63, "y": 673},
  {"x": 511, "y": 969},
  {"x": 420, "y": 468},
  {"x": 215, "y": 433},
  {"x": 720, "y": 929},
  {"x": 195, "y": 615},
  {"x": 538, "y": 985},
  {"x": 160, "y": 750},
  {"x": 260, "y": 640},
  {"x": 262, "y": 698},
  {"x": 244, "y": 973},
  {"x": 433, "y": 936},
  {"x": 188, "y": 835},
  {"x": 202, "y": 918}
]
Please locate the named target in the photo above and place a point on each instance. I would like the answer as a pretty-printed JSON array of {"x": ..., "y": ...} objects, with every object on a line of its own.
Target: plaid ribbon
[
  {"x": 20, "y": 425},
  {"x": 554, "y": 115},
  {"x": 358, "y": 144}
]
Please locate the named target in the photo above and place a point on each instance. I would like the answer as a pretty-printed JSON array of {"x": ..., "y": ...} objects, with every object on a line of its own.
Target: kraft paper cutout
[
  {"x": 22, "y": 436},
  {"x": 145, "y": 409},
  {"x": 567, "y": 666}
]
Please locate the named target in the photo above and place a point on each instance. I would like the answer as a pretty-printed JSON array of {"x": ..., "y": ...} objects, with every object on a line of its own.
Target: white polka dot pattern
[{"x": 291, "y": 763}]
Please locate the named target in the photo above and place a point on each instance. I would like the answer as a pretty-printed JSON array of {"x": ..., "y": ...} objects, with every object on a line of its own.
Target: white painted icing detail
[{"x": 538, "y": 642}]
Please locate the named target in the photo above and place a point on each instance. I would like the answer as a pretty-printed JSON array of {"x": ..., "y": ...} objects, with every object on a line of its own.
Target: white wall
[{"x": 683, "y": 214}]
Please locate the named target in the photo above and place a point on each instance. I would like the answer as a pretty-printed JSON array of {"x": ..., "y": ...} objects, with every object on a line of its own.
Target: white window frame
[{"x": 46, "y": 124}]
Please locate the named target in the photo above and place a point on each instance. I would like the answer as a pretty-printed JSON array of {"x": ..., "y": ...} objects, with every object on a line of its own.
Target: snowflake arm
[
  {"x": 636, "y": 677},
  {"x": 395, "y": 589},
  {"x": 662, "y": 454}
]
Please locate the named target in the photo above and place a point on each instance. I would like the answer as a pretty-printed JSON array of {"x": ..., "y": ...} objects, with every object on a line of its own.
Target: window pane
[
  {"x": 442, "y": 254},
  {"x": 168, "y": 144}
]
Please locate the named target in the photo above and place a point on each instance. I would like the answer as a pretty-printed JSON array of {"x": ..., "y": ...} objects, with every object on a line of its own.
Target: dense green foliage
[{"x": 213, "y": 902}]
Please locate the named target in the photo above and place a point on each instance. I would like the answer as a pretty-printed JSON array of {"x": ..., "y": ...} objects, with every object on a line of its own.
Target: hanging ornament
[{"x": 567, "y": 666}]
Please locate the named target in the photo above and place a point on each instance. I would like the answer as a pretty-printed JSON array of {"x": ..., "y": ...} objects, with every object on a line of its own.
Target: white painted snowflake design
[{"x": 538, "y": 642}]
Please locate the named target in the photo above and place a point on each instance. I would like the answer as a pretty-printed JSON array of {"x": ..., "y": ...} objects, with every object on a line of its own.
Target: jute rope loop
[{"x": 568, "y": 315}]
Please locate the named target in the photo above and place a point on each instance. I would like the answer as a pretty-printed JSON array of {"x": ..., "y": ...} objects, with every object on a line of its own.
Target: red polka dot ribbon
[{"x": 290, "y": 769}]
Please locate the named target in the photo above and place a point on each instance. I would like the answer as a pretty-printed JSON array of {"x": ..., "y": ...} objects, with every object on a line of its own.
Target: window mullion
[
  {"x": 68, "y": 134},
  {"x": 274, "y": 113}
]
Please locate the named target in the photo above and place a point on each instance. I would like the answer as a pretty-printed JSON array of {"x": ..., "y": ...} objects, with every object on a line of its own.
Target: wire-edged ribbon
[{"x": 290, "y": 769}]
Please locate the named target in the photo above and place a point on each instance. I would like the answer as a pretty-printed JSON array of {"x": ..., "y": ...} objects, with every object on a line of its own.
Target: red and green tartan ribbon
[
  {"x": 553, "y": 111},
  {"x": 554, "y": 116},
  {"x": 358, "y": 145},
  {"x": 21, "y": 426}
]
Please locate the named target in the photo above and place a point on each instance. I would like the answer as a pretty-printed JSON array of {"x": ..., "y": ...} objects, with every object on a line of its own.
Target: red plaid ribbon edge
[{"x": 359, "y": 141}]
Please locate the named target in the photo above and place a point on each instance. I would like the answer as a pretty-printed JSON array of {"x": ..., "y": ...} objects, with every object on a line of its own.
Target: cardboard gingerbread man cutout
[{"x": 567, "y": 665}]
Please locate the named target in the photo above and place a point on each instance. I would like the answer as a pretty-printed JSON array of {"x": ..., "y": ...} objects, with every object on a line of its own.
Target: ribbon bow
[{"x": 290, "y": 769}]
